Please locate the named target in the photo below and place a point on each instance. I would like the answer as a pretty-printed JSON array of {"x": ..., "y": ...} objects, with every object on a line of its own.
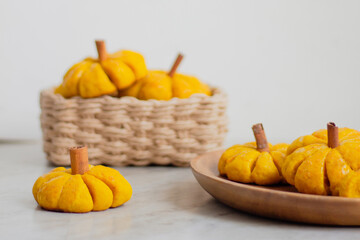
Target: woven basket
[{"x": 128, "y": 131}]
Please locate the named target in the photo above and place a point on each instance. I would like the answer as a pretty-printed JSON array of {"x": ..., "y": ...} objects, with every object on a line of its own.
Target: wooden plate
[{"x": 280, "y": 202}]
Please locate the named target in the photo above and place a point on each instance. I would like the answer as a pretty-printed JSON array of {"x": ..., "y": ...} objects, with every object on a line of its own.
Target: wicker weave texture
[{"x": 128, "y": 131}]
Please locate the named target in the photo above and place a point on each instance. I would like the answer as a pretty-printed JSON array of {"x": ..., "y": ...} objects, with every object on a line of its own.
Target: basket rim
[{"x": 217, "y": 93}]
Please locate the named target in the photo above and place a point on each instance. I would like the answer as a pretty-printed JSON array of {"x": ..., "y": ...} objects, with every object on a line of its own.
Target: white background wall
[{"x": 293, "y": 65}]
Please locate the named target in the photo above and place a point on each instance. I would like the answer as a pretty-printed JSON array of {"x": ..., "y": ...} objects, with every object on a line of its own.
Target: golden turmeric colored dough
[
  {"x": 350, "y": 185},
  {"x": 134, "y": 60},
  {"x": 244, "y": 163},
  {"x": 336, "y": 169},
  {"x": 292, "y": 162},
  {"x": 227, "y": 156},
  {"x": 265, "y": 171},
  {"x": 310, "y": 176},
  {"x": 94, "y": 82},
  {"x": 312, "y": 167},
  {"x": 239, "y": 167},
  {"x": 119, "y": 73},
  {"x": 92, "y": 78},
  {"x": 158, "y": 85},
  {"x": 75, "y": 196},
  {"x": 184, "y": 86},
  {"x": 98, "y": 189},
  {"x": 69, "y": 87},
  {"x": 49, "y": 192},
  {"x": 102, "y": 195},
  {"x": 120, "y": 188}
]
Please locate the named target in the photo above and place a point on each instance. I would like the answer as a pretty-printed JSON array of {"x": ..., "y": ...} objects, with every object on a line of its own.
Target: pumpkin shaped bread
[
  {"x": 350, "y": 185},
  {"x": 317, "y": 163},
  {"x": 258, "y": 163},
  {"x": 82, "y": 188},
  {"x": 96, "y": 77},
  {"x": 160, "y": 85}
]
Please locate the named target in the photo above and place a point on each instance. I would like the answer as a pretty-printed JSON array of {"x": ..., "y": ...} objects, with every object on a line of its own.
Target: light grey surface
[{"x": 167, "y": 203}]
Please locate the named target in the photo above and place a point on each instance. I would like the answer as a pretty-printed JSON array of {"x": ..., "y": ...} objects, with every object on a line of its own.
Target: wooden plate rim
[{"x": 309, "y": 197}]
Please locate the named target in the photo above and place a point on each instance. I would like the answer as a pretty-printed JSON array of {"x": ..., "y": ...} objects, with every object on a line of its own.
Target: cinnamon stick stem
[
  {"x": 79, "y": 160},
  {"x": 333, "y": 135},
  {"x": 175, "y": 65},
  {"x": 101, "y": 49},
  {"x": 261, "y": 141}
]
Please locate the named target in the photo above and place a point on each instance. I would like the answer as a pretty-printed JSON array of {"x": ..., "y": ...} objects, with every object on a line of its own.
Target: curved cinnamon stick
[
  {"x": 261, "y": 141},
  {"x": 175, "y": 65},
  {"x": 79, "y": 160},
  {"x": 101, "y": 49},
  {"x": 333, "y": 135}
]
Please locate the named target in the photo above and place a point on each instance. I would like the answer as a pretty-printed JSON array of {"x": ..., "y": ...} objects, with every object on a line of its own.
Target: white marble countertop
[{"x": 167, "y": 203}]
